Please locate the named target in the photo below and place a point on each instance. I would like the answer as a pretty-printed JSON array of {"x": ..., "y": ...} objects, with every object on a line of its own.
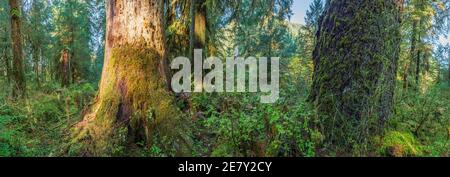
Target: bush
[
  {"x": 13, "y": 141},
  {"x": 46, "y": 108},
  {"x": 239, "y": 125},
  {"x": 423, "y": 117}
]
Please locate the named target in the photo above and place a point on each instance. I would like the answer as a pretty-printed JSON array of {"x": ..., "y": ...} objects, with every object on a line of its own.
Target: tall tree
[
  {"x": 18, "y": 75},
  {"x": 37, "y": 35},
  {"x": 97, "y": 28},
  {"x": 307, "y": 37},
  {"x": 421, "y": 21},
  {"x": 73, "y": 34},
  {"x": 197, "y": 29},
  {"x": 356, "y": 62},
  {"x": 313, "y": 14},
  {"x": 192, "y": 29},
  {"x": 5, "y": 39},
  {"x": 200, "y": 24},
  {"x": 133, "y": 88}
]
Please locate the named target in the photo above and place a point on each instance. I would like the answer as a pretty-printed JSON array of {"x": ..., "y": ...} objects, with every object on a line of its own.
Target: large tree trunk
[
  {"x": 356, "y": 57},
  {"x": 133, "y": 91},
  {"x": 18, "y": 76}
]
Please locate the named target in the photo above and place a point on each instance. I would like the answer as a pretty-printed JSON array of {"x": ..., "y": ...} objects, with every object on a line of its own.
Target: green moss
[
  {"x": 400, "y": 144},
  {"x": 355, "y": 50},
  {"x": 132, "y": 87}
]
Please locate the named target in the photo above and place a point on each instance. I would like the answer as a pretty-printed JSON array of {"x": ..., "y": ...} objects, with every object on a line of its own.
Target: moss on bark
[
  {"x": 135, "y": 99},
  {"x": 355, "y": 64}
]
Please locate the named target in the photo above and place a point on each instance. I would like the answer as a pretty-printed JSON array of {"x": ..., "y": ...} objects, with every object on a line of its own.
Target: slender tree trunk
[
  {"x": 72, "y": 64},
  {"x": 18, "y": 76},
  {"x": 65, "y": 67},
  {"x": 197, "y": 33},
  {"x": 8, "y": 67},
  {"x": 438, "y": 79},
  {"x": 413, "y": 50},
  {"x": 42, "y": 63},
  {"x": 192, "y": 30},
  {"x": 6, "y": 64},
  {"x": 418, "y": 57},
  {"x": 133, "y": 90},
  {"x": 356, "y": 62},
  {"x": 35, "y": 44},
  {"x": 200, "y": 24},
  {"x": 448, "y": 69},
  {"x": 417, "y": 72},
  {"x": 36, "y": 63}
]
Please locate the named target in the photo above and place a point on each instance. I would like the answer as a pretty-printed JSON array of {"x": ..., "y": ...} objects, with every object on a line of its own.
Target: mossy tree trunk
[
  {"x": 358, "y": 44},
  {"x": 133, "y": 94},
  {"x": 18, "y": 75}
]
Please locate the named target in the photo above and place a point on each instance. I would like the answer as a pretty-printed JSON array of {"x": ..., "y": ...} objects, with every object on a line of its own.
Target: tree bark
[
  {"x": 133, "y": 89},
  {"x": 65, "y": 68},
  {"x": 413, "y": 51},
  {"x": 36, "y": 63},
  {"x": 197, "y": 35},
  {"x": 356, "y": 56},
  {"x": 200, "y": 24},
  {"x": 36, "y": 43},
  {"x": 418, "y": 57},
  {"x": 192, "y": 30},
  {"x": 7, "y": 64},
  {"x": 18, "y": 76}
]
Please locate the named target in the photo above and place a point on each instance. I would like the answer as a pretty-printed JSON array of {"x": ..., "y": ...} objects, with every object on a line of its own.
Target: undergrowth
[{"x": 231, "y": 124}]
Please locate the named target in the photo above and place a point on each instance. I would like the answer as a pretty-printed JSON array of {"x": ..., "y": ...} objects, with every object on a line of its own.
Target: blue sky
[{"x": 299, "y": 9}]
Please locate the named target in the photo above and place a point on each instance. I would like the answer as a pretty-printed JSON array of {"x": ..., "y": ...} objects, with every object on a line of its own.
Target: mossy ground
[{"x": 226, "y": 125}]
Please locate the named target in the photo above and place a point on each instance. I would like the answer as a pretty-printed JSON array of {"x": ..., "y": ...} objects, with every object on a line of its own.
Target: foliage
[
  {"x": 241, "y": 126},
  {"x": 220, "y": 124},
  {"x": 37, "y": 127},
  {"x": 425, "y": 118}
]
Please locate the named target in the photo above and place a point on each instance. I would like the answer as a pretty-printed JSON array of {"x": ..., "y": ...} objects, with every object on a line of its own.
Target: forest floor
[{"x": 230, "y": 125}]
